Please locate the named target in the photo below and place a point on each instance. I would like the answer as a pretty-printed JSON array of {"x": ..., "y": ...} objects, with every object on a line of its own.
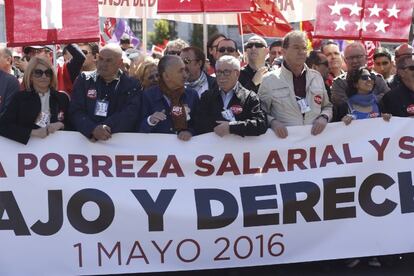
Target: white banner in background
[
  {"x": 292, "y": 10},
  {"x": 149, "y": 202}
]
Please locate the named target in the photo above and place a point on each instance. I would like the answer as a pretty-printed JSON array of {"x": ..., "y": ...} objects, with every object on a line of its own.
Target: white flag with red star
[{"x": 384, "y": 20}]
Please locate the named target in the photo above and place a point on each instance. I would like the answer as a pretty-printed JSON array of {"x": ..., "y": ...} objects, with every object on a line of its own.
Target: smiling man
[{"x": 230, "y": 108}]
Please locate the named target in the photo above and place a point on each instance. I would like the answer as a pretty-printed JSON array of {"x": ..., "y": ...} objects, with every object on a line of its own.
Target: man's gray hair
[
  {"x": 177, "y": 43},
  {"x": 6, "y": 51},
  {"x": 234, "y": 62}
]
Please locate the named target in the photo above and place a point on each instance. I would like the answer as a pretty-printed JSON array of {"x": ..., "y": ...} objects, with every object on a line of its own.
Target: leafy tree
[{"x": 161, "y": 32}]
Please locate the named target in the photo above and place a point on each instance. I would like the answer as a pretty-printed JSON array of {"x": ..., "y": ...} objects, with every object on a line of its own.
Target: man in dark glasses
[
  {"x": 227, "y": 47},
  {"x": 197, "y": 79},
  {"x": 90, "y": 50},
  {"x": 400, "y": 100},
  {"x": 174, "y": 47},
  {"x": 401, "y": 51},
  {"x": 105, "y": 101},
  {"x": 383, "y": 64},
  {"x": 317, "y": 60},
  {"x": 252, "y": 74},
  {"x": 355, "y": 57}
]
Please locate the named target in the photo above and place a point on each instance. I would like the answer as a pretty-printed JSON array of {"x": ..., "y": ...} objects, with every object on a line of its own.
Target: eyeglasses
[
  {"x": 188, "y": 60},
  {"x": 228, "y": 49},
  {"x": 367, "y": 77},
  {"x": 350, "y": 58},
  {"x": 38, "y": 73},
  {"x": 410, "y": 67},
  {"x": 85, "y": 52},
  {"x": 224, "y": 72},
  {"x": 173, "y": 53},
  {"x": 153, "y": 77},
  {"x": 255, "y": 44}
]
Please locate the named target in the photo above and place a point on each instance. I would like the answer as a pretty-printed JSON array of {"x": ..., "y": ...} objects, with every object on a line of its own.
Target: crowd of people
[{"x": 100, "y": 91}]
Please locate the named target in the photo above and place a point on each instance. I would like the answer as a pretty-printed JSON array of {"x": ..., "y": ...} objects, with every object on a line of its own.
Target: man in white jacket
[{"x": 294, "y": 94}]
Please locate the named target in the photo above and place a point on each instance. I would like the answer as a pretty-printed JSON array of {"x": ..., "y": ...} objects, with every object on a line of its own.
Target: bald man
[{"x": 105, "y": 101}]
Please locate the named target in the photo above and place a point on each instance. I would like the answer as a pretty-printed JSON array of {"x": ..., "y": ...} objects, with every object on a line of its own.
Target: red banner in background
[
  {"x": 384, "y": 20},
  {"x": 36, "y": 22},
  {"x": 265, "y": 19},
  {"x": 192, "y": 6}
]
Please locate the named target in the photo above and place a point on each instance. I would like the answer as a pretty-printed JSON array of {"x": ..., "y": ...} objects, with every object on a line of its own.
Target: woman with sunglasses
[
  {"x": 361, "y": 103},
  {"x": 38, "y": 111},
  {"x": 147, "y": 73}
]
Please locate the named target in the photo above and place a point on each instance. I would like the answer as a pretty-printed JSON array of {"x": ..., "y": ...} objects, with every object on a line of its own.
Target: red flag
[
  {"x": 265, "y": 19},
  {"x": 36, "y": 22},
  {"x": 186, "y": 6},
  {"x": 385, "y": 20},
  {"x": 370, "y": 46}
]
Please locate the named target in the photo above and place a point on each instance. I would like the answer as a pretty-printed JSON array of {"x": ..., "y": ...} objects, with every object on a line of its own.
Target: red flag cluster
[
  {"x": 264, "y": 19},
  {"x": 385, "y": 20}
]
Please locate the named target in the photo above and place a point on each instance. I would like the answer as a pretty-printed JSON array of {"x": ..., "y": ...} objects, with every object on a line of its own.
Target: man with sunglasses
[
  {"x": 317, "y": 60},
  {"x": 252, "y": 74},
  {"x": 197, "y": 79},
  {"x": 383, "y": 64},
  {"x": 400, "y": 100},
  {"x": 105, "y": 101},
  {"x": 295, "y": 94},
  {"x": 355, "y": 58},
  {"x": 230, "y": 108},
  {"x": 401, "y": 51},
  {"x": 91, "y": 51},
  {"x": 227, "y": 47}
]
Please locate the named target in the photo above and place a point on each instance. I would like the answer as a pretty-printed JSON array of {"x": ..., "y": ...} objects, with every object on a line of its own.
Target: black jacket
[
  {"x": 20, "y": 117},
  {"x": 250, "y": 119},
  {"x": 123, "y": 95},
  {"x": 399, "y": 101}
]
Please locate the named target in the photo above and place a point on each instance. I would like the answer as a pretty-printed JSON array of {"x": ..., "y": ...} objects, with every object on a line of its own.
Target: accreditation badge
[{"x": 101, "y": 108}]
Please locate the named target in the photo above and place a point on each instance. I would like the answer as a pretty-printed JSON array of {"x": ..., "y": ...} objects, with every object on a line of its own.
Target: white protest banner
[
  {"x": 148, "y": 202},
  {"x": 292, "y": 10}
]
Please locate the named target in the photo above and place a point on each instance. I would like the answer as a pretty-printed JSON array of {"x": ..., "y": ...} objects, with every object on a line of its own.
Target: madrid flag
[
  {"x": 376, "y": 20},
  {"x": 188, "y": 6},
  {"x": 264, "y": 19},
  {"x": 40, "y": 22}
]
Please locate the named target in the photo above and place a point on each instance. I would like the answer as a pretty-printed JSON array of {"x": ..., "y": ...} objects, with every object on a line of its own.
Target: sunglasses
[
  {"x": 228, "y": 49},
  {"x": 411, "y": 67},
  {"x": 153, "y": 77},
  {"x": 255, "y": 44},
  {"x": 188, "y": 60},
  {"x": 38, "y": 73},
  {"x": 173, "y": 53},
  {"x": 367, "y": 77},
  {"x": 85, "y": 52}
]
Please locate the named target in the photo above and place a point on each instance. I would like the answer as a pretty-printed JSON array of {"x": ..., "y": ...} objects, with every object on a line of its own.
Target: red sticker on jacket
[
  {"x": 177, "y": 111},
  {"x": 373, "y": 114},
  {"x": 410, "y": 109},
  {"x": 91, "y": 94},
  {"x": 236, "y": 109},
  {"x": 317, "y": 99},
  {"x": 61, "y": 116}
]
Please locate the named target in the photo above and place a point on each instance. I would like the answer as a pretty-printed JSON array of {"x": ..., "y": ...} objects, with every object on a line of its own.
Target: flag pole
[
  {"x": 144, "y": 28},
  {"x": 205, "y": 33},
  {"x": 241, "y": 32}
]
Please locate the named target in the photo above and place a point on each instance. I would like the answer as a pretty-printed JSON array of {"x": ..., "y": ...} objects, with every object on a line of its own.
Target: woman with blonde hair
[
  {"x": 39, "y": 110},
  {"x": 147, "y": 73}
]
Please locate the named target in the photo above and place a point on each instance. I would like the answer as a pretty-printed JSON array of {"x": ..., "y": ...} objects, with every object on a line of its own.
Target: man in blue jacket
[
  {"x": 169, "y": 107},
  {"x": 105, "y": 101}
]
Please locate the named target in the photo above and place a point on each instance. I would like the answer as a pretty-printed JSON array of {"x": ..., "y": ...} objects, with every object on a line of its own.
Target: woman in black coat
[{"x": 39, "y": 110}]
